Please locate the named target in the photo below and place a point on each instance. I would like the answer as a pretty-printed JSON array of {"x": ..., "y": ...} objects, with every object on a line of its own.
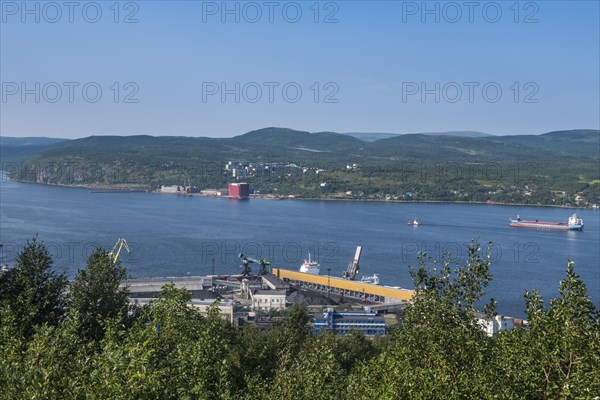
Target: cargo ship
[
  {"x": 310, "y": 267},
  {"x": 573, "y": 224}
]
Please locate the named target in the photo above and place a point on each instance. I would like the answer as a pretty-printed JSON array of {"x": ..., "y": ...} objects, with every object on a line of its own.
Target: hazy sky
[{"x": 194, "y": 68}]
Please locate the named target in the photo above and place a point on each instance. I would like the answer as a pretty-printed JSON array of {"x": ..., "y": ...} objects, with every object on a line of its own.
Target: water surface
[{"x": 173, "y": 235}]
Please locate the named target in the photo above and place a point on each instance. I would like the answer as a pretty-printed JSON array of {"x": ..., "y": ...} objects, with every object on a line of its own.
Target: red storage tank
[{"x": 239, "y": 190}]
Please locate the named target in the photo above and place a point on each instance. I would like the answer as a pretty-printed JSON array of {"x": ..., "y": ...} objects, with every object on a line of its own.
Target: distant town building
[
  {"x": 213, "y": 192},
  {"x": 171, "y": 189},
  {"x": 239, "y": 190},
  {"x": 367, "y": 323}
]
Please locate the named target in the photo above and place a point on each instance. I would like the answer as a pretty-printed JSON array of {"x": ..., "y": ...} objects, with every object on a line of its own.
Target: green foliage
[
  {"x": 562, "y": 347},
  {"x": 171, "y": 351},
  {"x": 440, "y": 351},
  {"x": 96, "y": 294},
  {"x": 31, "y": 293},
  {"x": 442, "y": 168},
  {"x": 461, "y": 287}
]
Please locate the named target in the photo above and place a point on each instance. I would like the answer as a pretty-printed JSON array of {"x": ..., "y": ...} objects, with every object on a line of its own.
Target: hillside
[
  {"x": 20, "y": 149},
  {"x": 372, "y": 137},
  {"x": 449, "y": 167}
]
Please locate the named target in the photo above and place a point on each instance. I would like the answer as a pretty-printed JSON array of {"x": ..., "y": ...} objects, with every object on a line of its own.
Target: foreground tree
[
  {"x": 559, "y": 356},
  {"x": 98, "y": 293},
  {"x": 440, "y": 350},
  {"x": 173, "y": 351},
  {"x": 32, "y": 293}
]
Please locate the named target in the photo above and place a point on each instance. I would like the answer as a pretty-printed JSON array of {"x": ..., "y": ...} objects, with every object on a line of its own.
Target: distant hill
[
  {"x": 554, "y": 162},
  {"x": 458, "y": 133},
  {"x": 14, "y": 149},
  {"x": 282, "y": 144},
  {"x": 28, "y": 141},
  {"x": 372, "y": 137},
  {"x": 293, "y": 139}
]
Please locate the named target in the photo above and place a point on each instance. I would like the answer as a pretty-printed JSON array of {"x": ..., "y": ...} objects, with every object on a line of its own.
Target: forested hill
[
  {"x": 279, "y": 144},
  {"x": 20, "y": 149},
  {"x": 564, "y": 161}
]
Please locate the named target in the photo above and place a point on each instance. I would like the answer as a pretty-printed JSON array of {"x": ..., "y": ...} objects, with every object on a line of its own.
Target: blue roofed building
[{"x": 344, "y": 323}]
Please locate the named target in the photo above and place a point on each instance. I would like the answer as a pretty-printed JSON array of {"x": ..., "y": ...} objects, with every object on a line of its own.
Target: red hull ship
[{"x": 573, "y": 224}]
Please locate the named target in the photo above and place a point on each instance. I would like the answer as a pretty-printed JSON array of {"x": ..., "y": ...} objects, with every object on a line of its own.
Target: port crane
[
  {"x": 353, "y": 268},
  {"x": 121, "y": 242},
  {"x": 246, "y": 261}
]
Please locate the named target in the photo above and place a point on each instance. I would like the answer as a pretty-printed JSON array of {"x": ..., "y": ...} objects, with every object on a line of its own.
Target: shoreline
[{"x": 112, "y": 189}]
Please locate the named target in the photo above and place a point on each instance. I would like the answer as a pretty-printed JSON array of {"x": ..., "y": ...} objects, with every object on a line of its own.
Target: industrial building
[
  {"x": 171, "y": 189},
  {"x": 345, "y": 287},
  {"x": 268, "y": 300},
  {"x": 239, "y": 190},
  {"x": 344, "y": 323}
]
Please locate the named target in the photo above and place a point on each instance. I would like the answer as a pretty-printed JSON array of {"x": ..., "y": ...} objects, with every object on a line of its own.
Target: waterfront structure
[
  {"x": 345, "y": 287},
  {"x": 239, "y": 190},
  {"x": 170, "y": 189},
  {"x": 213, "y": 192},
  {"x": 251, "y": 285},
  {"x": 268, "y": 300},
  {"x": 344, "y": 323}
]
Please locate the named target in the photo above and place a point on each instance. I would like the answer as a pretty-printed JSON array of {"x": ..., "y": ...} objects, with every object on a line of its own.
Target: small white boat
[
  {"x": 310, "y": 267},
  {"x": 414, "y": 222}
]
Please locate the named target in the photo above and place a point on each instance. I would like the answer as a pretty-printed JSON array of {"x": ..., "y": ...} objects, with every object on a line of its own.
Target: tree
[
  {"x": 314, "y": 372},
  {"x": 440, "y": 351},
  {"x": 461, "y": 287},
  {"x": 32, "y": 293},
  {"x": 559, "y": 355},
  {"x": 98, "y": 293}
]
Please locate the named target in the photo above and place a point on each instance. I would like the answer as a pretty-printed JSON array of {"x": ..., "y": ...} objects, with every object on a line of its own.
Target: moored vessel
[
  {"x": 573, "y": 224},
  {"x": 310, "y": 267},
  {"x": 373, "y": 279}
]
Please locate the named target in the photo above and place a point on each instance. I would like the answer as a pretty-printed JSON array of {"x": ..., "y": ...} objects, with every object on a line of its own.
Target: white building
[
  {"x": 170, "y": 189},
  {"x": 267, "y": 300},
  {"x": 493, "y": 325}
]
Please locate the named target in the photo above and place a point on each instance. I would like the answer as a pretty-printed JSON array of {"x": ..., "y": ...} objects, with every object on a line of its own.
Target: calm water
[{"x": 171, "y": 235}]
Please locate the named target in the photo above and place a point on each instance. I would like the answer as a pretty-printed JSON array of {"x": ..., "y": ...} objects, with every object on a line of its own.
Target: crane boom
[
  {"x": 121, "y": 242},
  {"x": 353, "y": 267}
]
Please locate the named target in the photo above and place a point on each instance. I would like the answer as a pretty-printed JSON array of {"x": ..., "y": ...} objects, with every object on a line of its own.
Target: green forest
[
  {"x": 82, "y": 339},
  {"x": 555, "y": 168}
]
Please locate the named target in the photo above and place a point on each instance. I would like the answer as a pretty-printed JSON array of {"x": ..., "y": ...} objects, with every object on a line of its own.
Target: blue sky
[{"x": 376, "y": 66}]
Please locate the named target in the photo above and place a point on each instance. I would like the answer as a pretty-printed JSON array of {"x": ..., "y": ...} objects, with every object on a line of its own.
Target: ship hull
[{"x": 559, "y": 226}]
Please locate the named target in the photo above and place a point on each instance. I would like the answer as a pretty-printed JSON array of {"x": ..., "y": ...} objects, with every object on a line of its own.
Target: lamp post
[{"x": 328, "y": 280}]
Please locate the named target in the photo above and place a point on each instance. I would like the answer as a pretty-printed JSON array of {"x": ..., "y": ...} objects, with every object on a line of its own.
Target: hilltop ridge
[{"x": 554, "y": 168}]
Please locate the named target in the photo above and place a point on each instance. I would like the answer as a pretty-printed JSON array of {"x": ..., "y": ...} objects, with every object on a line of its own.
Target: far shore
[{"x": 140, "y": 189}]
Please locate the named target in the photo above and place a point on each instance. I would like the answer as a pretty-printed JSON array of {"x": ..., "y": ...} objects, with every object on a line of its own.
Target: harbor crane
[
  {"x": 353, "y": 268},
  {"x": 121, "y": 242},
  {"x": 246, "y": 261}
]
